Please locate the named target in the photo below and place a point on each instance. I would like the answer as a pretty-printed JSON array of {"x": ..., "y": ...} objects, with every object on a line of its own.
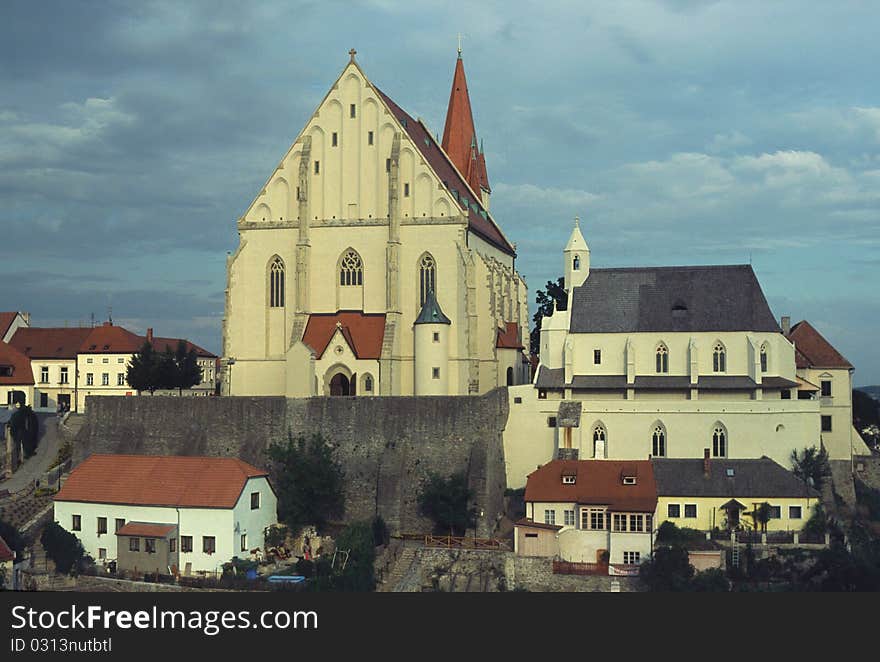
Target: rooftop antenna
[{"x": 93, "y": 319}]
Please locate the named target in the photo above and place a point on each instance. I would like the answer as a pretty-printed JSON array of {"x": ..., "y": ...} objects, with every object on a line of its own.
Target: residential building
[
  {"x": 604, "y": 511},
  {"x": 365, "y": 215},
  {"x": 52, "y": 353},
  {"x": 725, "y": 493},
  {"x": 219, "y": 508},
  {"x": 10, "y": 322},
  {"x": 16, "y": 378},
  {"x": 828, "y": 376}
]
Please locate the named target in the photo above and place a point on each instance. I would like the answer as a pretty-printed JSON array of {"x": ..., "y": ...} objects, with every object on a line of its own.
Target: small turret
[
  {"x": 431, "y": 339},
  {"x": 577, "y": 259}
]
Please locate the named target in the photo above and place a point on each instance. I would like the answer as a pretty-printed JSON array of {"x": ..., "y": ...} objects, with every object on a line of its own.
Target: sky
[{"x": 133, "y": 135}]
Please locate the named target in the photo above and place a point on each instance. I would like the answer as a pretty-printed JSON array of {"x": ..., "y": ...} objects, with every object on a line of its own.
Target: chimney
[
  {"x": 706, "y": 463},
  {"x": 150, "y": 335},
  {"x": 786, "y": 326}
]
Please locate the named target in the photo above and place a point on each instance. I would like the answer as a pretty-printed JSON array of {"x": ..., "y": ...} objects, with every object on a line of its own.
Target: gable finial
[
  {"x": 352, "y": 53},
  {"x": 577, "y": 221},
  {"x": 459, "y": 43}
]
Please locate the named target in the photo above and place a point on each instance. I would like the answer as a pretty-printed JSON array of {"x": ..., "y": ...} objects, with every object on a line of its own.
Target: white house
[
  {"x": 590, "y": 511},
  {"x": 219, "y": 505}
]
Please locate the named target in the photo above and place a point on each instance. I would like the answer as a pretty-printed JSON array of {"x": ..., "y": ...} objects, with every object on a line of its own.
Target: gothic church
[{"x": 370, "y": 264}]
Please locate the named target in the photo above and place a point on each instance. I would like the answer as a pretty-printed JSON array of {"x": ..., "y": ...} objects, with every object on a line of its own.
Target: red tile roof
[
  {"x": 6, "y": 553},
  {"x": 812, "y": 350},
  {"x": 108, "y": 338},
  {"x": 159, "y": 480},
  {"x": 509, "y": 338},
  {"x": 460, "y": 136},
  {"x": 363, "y": 332},
  {"x": 159, "y": 344},
  {"x": 6, "y": 320},
  {"x": 50, "y": 343},
  {"x": 479, "y": 220},
  {"x": 598, "y": 482},
  {"x": 146, "y": 529},
  {"x": 22, "y": 375}
]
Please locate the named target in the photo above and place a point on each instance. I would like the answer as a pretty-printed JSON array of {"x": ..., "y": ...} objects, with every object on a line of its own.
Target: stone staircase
[{"x": 401, "y": 566}]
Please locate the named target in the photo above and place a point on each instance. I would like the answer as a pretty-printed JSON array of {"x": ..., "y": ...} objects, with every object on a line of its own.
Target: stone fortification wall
[{"x": 387, "y": 446}]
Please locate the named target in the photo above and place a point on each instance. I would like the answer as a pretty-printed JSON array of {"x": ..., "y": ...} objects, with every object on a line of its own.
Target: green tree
[
  {"x": 12, "y": 536},
  {"x": 761, "y": 515},
  {"x": 668, "y": 570},
  {"x": 64, "y": 548},
  {"x": 145, "y": 370},
  {"x": 187, "y": 372},
  {"x": 446, "y": 501},
  {"x": 711, "y": 580},
  {"x": 553, "y": 293},
  {"x": 811, "y": 464},
  {"x": 309, "y": 481}
]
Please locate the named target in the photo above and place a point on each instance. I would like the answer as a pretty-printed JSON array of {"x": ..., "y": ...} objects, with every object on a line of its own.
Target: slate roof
[
  {"x": 159, "y": 480},
  {"x": 813, "y": 351},
  {"x": 752, "y": 479},
  {"x": 431, "y": 313},
  {"x": 479, "y": 220},
  {"x": 362, "y": 331},
  {"x": 598, "y": 482},
  {"x": 555, "y": 378},
  {"x": 689, "y": 299}
]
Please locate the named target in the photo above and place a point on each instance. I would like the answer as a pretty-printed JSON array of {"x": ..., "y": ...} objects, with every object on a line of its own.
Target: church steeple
[
  {"x": 577, "y": 259},
  {"x": 460, "y": 136}
]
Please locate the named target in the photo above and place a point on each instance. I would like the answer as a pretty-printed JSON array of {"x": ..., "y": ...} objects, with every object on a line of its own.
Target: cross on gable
[{"x": 352, "y": 53}]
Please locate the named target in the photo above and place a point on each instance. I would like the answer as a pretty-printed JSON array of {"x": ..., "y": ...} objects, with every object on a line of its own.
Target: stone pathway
[
  {"x": 400, "y": 569},
  {"x": 43, "y": 458}
]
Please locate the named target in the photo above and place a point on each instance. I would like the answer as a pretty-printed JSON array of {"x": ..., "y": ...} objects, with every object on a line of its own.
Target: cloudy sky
[{"x": 133, "y": 134}]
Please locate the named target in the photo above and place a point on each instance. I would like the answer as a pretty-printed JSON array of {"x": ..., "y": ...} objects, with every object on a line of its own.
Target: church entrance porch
[{"x": 340, "y": 384}]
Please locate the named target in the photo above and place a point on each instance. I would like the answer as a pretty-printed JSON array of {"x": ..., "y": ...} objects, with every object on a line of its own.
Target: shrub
[
  {"x": 445, "y": 501},
  {"x": 380, "y": 531},
  {"x": 64, "y": 548}
]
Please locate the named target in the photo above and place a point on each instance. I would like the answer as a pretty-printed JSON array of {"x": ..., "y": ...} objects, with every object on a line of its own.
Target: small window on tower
[
  {"x": 352, "y": 111},
  {"x": 335, "y": 139},
  {"x": 576, "y": 266},
  {"x": 406, "y": 190},
  {"x": 317, "y": 167},
  {"x": 597, "y": 356},
  {"x": 387, "y": 165},
  {"x": 369, "y": 137},
  {"x": 435, "y": 373},
  {"x": 436, "y": 337}
]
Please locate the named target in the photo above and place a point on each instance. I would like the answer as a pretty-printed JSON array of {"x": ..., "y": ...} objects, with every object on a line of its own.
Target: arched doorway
[
  {"x": 339, "y": 384},
  {"x": 510, "y": 376}
]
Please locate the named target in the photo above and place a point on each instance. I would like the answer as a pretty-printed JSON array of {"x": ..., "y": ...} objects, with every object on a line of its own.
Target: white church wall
[{"x": 754, "y": 428}]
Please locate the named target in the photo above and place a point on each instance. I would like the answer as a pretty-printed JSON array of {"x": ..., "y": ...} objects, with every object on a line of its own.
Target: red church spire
[{"x": 460, "y": 136}]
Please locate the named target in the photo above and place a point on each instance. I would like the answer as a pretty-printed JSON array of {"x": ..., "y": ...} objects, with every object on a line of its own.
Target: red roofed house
[
  {"x": 15, "y": 376},
  {"x": 72, "y": 363},
  {"x": 825, "y": 373},
  {"x": 596, "y": 506},
  {"x": 366, "y": 213},
  {"x": 217, "y": 508}
]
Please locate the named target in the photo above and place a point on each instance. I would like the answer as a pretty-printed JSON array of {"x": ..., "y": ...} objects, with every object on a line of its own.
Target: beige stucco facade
[
  {"x": 839, "y": 436},
  {"x": 706, "y": 513},
  {"x": 354, "y": 182}
]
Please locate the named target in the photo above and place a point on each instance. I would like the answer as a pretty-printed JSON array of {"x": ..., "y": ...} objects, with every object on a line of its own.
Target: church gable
[{"x": 340, "y": 165}]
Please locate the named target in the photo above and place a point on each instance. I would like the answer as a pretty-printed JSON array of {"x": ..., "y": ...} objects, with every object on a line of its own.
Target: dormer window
[
  {"x": 629, "y": 480},
  {"x": 679, "y": 309},
  {"x": 569, "y": 479}
]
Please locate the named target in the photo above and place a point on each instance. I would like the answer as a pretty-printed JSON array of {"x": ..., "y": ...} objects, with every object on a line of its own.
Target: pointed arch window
[
  {"x": 719, "y": 358},
  {"x": 662, "y": 358},
  {"x": 764, "y": 357},
  {"x": 719, "y": 441},
  {"x": 351, "y": 269},
  {"x": 427, "y": 277},
  {"x": 276, "y": 283},
  {"x": 576, "y": 263},
  {"x": 600, "y": 441},
  {"x": 658, "y": 441}
]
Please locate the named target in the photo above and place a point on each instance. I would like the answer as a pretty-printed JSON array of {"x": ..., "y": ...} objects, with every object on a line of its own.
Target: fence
[
  {"x": 572, "y": 568},
  {"x": 455, "y": 542}
]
